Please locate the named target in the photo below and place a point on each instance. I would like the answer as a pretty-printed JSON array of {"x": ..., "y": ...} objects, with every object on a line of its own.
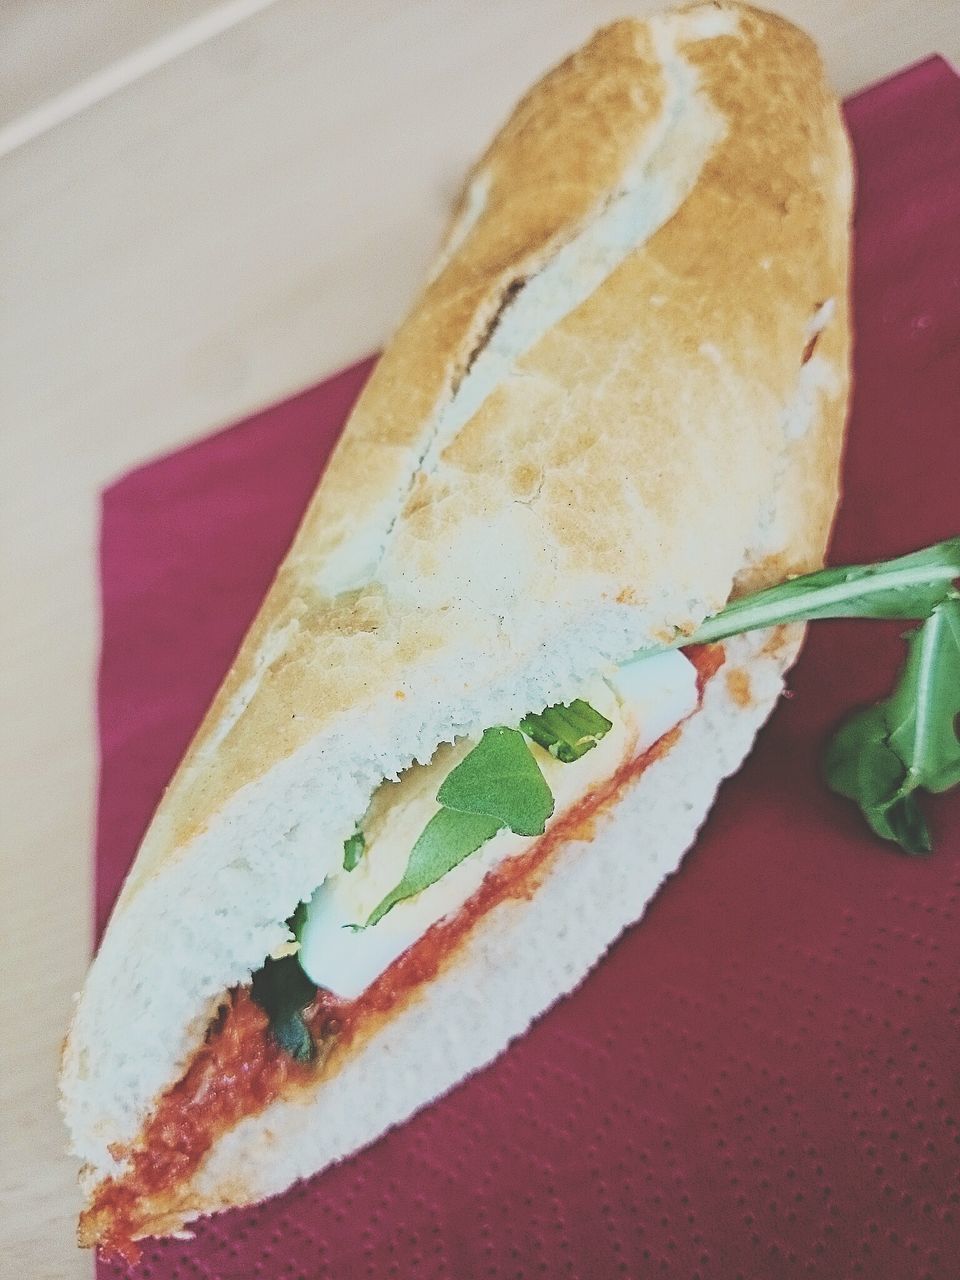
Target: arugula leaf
[
  {"x": 498, "y": 784},
  {"x": 283, "y": 991},
  {"x": 353, "y": 848},
  {"x": 567, "y": 732},
  {"x": 500, "y": 779},
  {"x": 908, "y": 587},
  {"x": 446, "y": 840},
  {"x": 925, "y": 705},
  {"x": 298, "y": 920},
  {"x": 860, "y": 764},
  {"x": 883, "y": 755},
  {"x": 292, "y": 1035}
]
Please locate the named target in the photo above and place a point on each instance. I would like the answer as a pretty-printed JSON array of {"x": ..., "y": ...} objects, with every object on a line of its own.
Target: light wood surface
[
  {"x": 230, "y": 226},
  {"x": 51, "y": 46}
]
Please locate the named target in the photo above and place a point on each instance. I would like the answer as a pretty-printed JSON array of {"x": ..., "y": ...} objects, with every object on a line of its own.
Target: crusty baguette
[{"x": 601, "y": 417}]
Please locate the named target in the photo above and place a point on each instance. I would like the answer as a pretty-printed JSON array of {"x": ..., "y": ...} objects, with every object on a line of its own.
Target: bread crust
[
  {"x": 695, "y": 448},
  {"x": 627, "y": 468}
]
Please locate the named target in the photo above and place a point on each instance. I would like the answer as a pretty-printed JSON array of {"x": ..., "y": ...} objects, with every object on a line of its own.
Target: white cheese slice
[{"x": 643, "y": 699}]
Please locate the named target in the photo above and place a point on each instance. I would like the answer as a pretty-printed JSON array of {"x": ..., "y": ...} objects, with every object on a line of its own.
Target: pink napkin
[{"x": 762, "y": 1079}]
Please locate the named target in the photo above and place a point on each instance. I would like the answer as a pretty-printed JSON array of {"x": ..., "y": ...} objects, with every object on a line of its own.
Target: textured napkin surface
[{"x": 762, "y": 1079}]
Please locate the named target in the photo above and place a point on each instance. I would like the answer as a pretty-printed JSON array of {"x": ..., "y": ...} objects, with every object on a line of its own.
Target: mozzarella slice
[
  {"x": 643, "y": 699},
  {"x": 658, "y": 692}
]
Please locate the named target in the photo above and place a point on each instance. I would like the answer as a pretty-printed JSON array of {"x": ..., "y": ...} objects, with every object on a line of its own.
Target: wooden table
[{"x": 203, "y": 207}]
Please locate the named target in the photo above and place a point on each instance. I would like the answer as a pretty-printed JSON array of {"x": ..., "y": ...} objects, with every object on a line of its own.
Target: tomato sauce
[{"x": 239, "y": 1070}]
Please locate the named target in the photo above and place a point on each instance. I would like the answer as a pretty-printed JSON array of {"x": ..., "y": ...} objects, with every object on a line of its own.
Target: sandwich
[{"x": 475, "y": 723}]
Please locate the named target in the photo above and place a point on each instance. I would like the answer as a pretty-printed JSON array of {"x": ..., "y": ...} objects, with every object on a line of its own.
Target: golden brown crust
[
  {"x": 739, "y": 270},
  {"x": 571, "y": 135}
]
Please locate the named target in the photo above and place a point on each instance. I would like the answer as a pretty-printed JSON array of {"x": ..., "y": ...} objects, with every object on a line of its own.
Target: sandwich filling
[
  {"x": 370, "y": 935},
  {"x": 342, "y": 953}
]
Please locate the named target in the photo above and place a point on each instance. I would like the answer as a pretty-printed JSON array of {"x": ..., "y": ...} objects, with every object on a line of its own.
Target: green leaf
[
  {"x": 292, "y": 1035},
  {"x": 923, "y": 710},
  {"x": 500, "y": 779},
  {"x": 353, "y": 848},
  {"x": 860, "y": 764},
  {"x": 283, "y": 991},
  {"x": 447, "y": 839},
  {"x": 907, "y": 825},
  {"x": 567, "y": 732},
  {"x": 908, "y": 587},
  {"x": 298, "y": 920},
  {"x": 498, "y": 784},
  {"x": 883, "y": 755}
]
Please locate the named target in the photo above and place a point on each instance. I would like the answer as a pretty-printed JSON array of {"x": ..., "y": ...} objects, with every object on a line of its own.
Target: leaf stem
[{"x": 813, "y": 601}]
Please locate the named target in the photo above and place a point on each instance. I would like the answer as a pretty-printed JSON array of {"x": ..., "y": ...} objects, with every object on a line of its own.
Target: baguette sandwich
[{"x": 462, "y": 744}]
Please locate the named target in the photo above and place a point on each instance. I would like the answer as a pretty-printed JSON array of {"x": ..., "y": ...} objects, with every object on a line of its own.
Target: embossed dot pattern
[{"x": 762, "y": 1079}]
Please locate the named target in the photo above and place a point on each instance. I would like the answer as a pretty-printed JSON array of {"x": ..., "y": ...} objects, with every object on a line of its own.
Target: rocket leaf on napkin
[
  {"x": 883, "y": 755},
  {"x": 907, "y": 743}
]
